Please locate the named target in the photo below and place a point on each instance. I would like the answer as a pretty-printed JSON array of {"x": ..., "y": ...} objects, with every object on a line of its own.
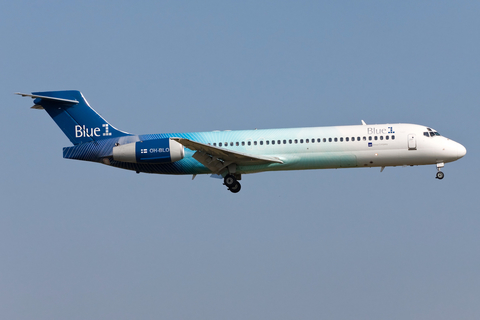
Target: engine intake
[{"x": 149, "y": 151}]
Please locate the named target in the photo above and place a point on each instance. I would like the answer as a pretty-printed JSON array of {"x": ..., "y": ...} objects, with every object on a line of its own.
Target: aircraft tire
[
  {"x": 236, "y": 187},
  {"x": 440, "y": 175},
  {"x": 230, "y": 181}
]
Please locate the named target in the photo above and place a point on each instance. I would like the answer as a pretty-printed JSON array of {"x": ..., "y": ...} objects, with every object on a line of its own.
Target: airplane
[{"x": 231, "y": 154}]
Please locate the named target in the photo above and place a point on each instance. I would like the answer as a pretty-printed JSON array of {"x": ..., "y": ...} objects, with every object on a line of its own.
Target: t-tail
[{"x": 72, "y": 113}]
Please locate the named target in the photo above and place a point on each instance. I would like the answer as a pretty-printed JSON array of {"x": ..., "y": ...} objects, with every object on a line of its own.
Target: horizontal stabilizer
[{"x": 34, "y": 96}]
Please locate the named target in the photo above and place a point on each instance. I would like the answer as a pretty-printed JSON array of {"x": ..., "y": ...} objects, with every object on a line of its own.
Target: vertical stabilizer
[{"x": 72, "y": 113}]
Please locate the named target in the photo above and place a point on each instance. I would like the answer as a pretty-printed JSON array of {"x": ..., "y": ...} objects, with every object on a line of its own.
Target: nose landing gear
[{"x": 440, "y": 174}]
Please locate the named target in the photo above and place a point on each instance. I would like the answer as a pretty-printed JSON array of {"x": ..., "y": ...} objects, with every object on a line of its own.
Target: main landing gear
[
  {"x": 232, "y": 184},
  {"x": 440, "y": 174}
]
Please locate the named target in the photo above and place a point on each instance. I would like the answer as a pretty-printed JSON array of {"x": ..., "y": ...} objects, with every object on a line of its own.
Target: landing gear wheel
[
  {"x": 236, "y": 187},
  {"x": 440, "y": 175},
  {"x": 229, "y": 180}
]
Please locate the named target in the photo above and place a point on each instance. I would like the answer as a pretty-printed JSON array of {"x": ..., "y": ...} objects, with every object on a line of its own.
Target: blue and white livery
[{"x": 230, "y": 154}]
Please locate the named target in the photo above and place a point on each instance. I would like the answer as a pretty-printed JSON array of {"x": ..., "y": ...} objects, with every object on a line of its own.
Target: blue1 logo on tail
[{"x": 83, "y": 131}]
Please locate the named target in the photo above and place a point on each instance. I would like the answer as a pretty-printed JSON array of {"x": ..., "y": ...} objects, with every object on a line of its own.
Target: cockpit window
[{"x": 431, "y": 133}]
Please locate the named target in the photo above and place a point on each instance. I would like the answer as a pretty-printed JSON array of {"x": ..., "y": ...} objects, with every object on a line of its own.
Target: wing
[{"x": 216, "y": 159}]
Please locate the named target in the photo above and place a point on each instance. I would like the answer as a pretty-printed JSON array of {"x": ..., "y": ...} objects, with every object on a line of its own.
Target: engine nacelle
[{"x": 149, "y": 151}]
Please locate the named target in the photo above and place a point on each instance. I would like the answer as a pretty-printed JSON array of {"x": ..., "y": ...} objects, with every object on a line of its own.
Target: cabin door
[{"x": 412, "y": 142}]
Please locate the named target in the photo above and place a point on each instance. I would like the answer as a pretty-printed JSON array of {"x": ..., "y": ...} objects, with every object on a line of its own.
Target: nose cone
[
  {"x": 452, "y": 151},
  {"x": 461, "y": 151}
]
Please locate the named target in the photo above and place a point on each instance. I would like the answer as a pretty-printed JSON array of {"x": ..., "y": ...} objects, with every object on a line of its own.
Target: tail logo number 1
[{"x": 106, "y": 133}]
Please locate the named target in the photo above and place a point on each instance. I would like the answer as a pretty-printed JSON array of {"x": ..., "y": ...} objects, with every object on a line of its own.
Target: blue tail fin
[{"x": 74, "y": 116}]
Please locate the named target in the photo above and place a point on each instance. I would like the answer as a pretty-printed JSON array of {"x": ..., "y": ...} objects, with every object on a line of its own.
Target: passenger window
[
  {"x": 220, "y": 144},
  {"x": 279, "y": 142},
  {"x": 249, "y": 143},
  {"x": 273, "y": 141},
  {"x": 296, "y": 141},
  {"x": 243, "y": 143},
  {"x": 335, "y": 139},
  {"x": 353, "y": 138},
  {"x": 306, "y": 140},
  {"x": 284, "y": 141},
  {"x": 376, "y": 138},
  {"x": 387, "y": 137},
  {"x": 393, "y": 137},
  {"x": 347, "y": 139},
  {"x": 254, "y": 143},
  {"x": 381, "y": 137},
  {"x": 214, "y": 144},
  {"x": 231, "y": 144},
  {"x": 341, "y": 139},
  {"x": 301, "y": 140},
  {"x": 226, "y": 144},
  {"x": 329, "y": 139},
  {"x": 261, "y": 142},
  {"x": 290, "y": 141}
]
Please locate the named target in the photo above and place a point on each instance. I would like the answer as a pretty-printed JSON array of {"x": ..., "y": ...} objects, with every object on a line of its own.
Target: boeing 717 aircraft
[{"x": 230, "y": 154}]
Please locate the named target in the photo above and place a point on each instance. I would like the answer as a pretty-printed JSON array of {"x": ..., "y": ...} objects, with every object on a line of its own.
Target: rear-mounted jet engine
[{"x": 149, "y": 151}]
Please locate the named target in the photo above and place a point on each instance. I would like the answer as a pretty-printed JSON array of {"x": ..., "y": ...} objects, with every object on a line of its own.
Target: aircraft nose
[{"x": 461, "y": 151}]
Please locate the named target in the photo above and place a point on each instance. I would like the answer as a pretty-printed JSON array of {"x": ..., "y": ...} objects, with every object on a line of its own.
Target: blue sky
[{"x": 85, "y": 241}]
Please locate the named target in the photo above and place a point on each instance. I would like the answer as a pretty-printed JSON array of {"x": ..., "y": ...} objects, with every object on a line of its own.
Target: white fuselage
[{"x": 339, "y": 147}]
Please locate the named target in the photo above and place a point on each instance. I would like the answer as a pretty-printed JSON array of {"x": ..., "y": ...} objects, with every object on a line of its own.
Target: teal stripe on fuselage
[{"x": 296, "y": 156}]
